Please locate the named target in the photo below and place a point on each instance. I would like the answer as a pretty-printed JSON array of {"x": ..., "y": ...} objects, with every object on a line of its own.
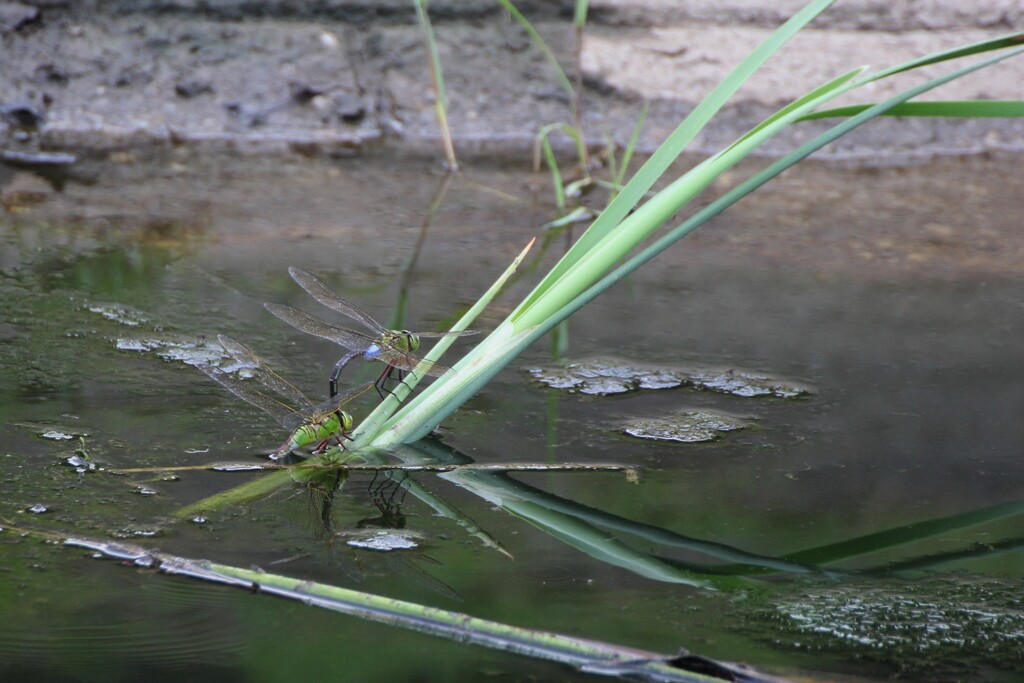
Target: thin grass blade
[
  {"x": 563, "y": 80},
  {"x": 987, "y": 45},
  {"x": 440, "y": 92},
  {"x": 627, "y": 155},
  {"x": 975, "y": 109},
  {"x": 751, "y": 184},
  {"x": 655, "y": 167}
]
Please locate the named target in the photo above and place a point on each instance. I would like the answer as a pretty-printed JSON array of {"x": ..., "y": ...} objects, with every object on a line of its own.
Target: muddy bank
[{"x": 338, "y": 77}]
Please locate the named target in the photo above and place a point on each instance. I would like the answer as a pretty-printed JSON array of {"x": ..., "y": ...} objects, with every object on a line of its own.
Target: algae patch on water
[
  {"x": 606, "y": 376},
  {"x": 382, "y": 540},
  {"x": 188, "y": 351},
  {"x": 934, "y": 629},
  {"x": 691, "y": 426},
  {"x": 125, "y": 315}
]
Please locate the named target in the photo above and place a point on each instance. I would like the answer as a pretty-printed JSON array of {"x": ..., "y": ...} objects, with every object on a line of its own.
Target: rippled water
[{"x": 864, "y": 520}]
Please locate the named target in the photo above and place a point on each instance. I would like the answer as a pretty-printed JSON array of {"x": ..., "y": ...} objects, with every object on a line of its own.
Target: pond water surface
[{"x": 863, "y": 521}]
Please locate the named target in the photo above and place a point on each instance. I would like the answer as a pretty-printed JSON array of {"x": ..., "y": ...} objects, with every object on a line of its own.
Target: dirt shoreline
[{"x": 339, "y": 78}]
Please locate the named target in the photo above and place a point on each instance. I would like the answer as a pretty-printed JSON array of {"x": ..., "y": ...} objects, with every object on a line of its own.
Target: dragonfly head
[
  {"x": 409, "y": 341},
  {"x": 345, "y": 421}
]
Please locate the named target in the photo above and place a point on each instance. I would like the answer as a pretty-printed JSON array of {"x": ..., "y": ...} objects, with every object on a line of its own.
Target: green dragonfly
[
  {"x": 310, "y": 423},
  {"x": 394, "y": 348}
]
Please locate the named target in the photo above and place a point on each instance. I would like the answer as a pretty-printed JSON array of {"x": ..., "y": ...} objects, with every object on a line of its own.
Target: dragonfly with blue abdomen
[
  {"x": 394, "y": 348},
  {"x": 310, "y": 423}
]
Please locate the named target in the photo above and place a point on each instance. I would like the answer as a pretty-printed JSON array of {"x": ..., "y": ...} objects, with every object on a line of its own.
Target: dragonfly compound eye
[{"x": 411, "y": 341}]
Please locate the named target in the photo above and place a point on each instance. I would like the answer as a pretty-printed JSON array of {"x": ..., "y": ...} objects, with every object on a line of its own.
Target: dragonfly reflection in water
[
  {"x": 311, "y": 423},
  {"x": 392, "y": 347}
]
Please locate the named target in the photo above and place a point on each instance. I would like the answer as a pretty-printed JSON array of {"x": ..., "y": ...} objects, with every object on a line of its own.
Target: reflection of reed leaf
[
  {"x": 261, "y": 487},
  {"x": 585, "y": 655},
  {"x": 901, "y": 535},
  {"x": 579, "y": 525},
  {"x": 248, "y": 492},
  {"x": 574, "y": 524},
  {"x": 601, "y": 545},
  {"x": 512, "y": 495},
  {"x": 976, "y": 551},
  {"x": 504, "y": 491}
]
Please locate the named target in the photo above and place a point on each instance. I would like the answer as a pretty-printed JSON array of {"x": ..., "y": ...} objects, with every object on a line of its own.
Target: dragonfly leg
[
  {"x": 381, "y": 385},
  {"x": 401, "y": 379},
  {"x": 332, "y": 385},
  {"x": 338, "y": 438},
  {"x": 322, "y": 446},
  {"x": 341, "y": 443}
]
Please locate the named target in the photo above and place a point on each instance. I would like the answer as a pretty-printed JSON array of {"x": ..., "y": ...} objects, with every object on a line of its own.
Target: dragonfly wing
[
  {"x": 300, "y": 320},
  {"x": 270, "y": 379},
  {"x": 339, "y": 401},
  {"x": 282, "y": 413},
  {"x": 325, "y": 295}
]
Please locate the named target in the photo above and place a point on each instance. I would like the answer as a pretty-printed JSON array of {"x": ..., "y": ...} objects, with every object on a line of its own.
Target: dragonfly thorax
[{"x": 325, "y": 427}]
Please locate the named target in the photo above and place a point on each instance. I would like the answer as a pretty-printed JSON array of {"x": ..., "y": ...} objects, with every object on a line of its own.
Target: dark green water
[{"x": 902, "y": 318}]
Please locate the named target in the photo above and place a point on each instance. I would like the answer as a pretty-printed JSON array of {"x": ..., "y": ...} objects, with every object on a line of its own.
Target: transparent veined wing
[
  {"x": 284, "y": 414},
  {"x": 325, "y": 295},
  {"x": 300, "y": 320},
  {"x": 247, "y": 358}
]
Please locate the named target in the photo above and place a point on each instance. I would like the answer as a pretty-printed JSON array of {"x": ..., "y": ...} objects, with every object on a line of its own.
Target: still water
[{"x": 863, "y": 521}]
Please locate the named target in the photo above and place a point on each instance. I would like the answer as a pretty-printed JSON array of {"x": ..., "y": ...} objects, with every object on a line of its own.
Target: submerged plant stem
[{"x": 587, "y": 655}]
